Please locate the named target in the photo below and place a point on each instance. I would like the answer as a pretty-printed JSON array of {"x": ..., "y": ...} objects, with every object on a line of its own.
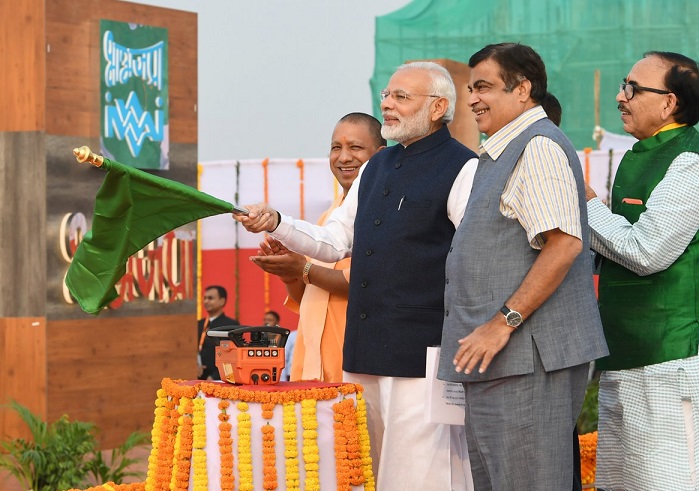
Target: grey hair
[{"x": 442, "y": 83}]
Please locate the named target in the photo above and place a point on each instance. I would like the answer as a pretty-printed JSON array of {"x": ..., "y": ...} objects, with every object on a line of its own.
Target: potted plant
[{"x": 62, "y": 455}]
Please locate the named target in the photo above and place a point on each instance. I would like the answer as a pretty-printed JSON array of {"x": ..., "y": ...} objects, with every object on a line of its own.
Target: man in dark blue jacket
[{"x": 397, "y": 223}]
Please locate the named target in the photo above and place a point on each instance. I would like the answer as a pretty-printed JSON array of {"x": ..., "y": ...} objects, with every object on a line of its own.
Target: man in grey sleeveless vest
[
  {"x": 397, "y": 221},
  {"x": 521, "y": 322}
]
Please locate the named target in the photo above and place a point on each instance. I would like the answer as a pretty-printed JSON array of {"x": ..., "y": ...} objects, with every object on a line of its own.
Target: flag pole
[
  {"x": 598, "y": 129},
  {"x": 84, "y": 154}
]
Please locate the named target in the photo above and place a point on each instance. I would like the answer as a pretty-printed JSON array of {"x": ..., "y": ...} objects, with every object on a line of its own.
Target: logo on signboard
[
  {"x": 163, "y": 271},
  {"x": 134, "y": 94}
]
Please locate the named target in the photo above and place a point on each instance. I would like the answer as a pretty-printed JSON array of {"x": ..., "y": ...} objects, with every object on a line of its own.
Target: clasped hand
[
  {"x": 274, "y": 258},
  {"x": 261, "y": 218}
]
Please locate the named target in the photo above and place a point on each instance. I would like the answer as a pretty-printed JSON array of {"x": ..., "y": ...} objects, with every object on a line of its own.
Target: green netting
[{"x": 574, "y": 38}]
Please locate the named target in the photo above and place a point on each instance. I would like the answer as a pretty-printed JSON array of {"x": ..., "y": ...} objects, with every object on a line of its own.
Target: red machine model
[{"x": 250, "y": 355}]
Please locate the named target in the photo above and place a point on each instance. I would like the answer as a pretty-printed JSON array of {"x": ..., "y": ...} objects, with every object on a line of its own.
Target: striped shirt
[
  {"x": 541, "y": 192},
  {"x": 662, "y": 232}
]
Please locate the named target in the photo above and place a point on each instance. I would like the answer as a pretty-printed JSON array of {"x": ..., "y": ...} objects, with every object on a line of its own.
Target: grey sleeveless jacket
[{"x": 488, "y": 260}]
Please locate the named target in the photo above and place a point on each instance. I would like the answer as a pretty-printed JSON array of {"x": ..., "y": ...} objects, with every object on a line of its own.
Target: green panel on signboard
[{"x": 134, "y": 94}]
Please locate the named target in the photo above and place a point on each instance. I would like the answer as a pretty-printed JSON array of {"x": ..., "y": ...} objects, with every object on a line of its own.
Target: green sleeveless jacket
[{"x": 649, "y": 319}]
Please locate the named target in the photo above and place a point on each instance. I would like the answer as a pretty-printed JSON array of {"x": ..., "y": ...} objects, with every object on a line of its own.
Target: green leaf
[{"x": 63, "y": 454}]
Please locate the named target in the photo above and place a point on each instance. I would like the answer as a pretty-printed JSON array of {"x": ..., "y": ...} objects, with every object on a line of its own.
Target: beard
[{"x": 410, "y": 127}]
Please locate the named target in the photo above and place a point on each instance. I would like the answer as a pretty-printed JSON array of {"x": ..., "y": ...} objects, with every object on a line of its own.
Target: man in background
[
  {"x": 318, "y": 291},
  {"x": 214, "y": 301},
  {"x": 397, "y": 222},
  {"x": 648, "y": 298},
  {"x": 272, "y": 318}
]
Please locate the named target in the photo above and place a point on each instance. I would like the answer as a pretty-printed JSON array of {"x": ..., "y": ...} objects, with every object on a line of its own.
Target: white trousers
[{"x": 409, "y": 454}]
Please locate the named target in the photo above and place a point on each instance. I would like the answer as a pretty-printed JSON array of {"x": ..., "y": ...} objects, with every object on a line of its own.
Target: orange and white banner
[{"x": 302, "y": 188}]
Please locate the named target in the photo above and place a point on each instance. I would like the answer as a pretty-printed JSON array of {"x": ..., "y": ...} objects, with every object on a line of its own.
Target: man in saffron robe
[{"x": 317, "y": 290}]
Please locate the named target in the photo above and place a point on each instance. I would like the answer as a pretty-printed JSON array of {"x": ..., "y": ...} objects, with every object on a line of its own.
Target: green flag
[{"x": 132, "y": 208}]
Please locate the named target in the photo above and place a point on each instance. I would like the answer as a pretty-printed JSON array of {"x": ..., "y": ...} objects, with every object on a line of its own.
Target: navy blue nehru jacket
[{"x": 402, "y": 235}]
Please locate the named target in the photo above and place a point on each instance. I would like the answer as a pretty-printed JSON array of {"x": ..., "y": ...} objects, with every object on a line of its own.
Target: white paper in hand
[{"x": 445, "y": 400}]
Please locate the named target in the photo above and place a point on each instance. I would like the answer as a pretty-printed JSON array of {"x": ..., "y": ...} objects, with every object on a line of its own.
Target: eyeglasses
[
  {"x": 629, "y": 90},
  {"x": 401, "y": 96}
]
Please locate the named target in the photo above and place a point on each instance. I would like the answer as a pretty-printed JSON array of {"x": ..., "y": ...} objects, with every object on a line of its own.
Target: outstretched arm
[{"x": 662, "y": 232}]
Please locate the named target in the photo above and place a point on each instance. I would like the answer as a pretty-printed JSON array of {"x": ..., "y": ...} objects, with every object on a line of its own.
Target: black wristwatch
[{"x": 512, "y": 317}]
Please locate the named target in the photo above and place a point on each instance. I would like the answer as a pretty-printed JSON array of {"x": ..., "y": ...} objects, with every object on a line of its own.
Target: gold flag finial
[{"x": 84, "y": 154}]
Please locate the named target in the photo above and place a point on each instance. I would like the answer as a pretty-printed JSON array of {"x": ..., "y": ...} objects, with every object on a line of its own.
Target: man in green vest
[{"x": 648, "y": 299}]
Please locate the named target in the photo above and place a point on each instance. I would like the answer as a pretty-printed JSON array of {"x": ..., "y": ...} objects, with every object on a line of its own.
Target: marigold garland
[
  {"x": 364, "y": 443},
  {"x": 201, "y": 478},
  {"x": 311, "y": 455},
  {"x": 225, "y": 444},
  {"x": 291, "y": 452},
  {"x": 183, "y": 447},
  {"x": 351, "y": 462},
  {"x": 588, "y": 457},
  {"x": 161, "y": 413},
  {"x": 168, "y": 456},
  {"x": 237, "y": 393},
  {"x": 177, "y": 390},
  {"x": 341, "y": 461},
  {"x": 160, "y": 460},
  {"x": 269, "y": 456},
  {"x": 179, "y": 438},
  {"x": 268, "y": 410},
  {"x": 110, "y": 486},
  {"x": 244, "y": 447}
]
